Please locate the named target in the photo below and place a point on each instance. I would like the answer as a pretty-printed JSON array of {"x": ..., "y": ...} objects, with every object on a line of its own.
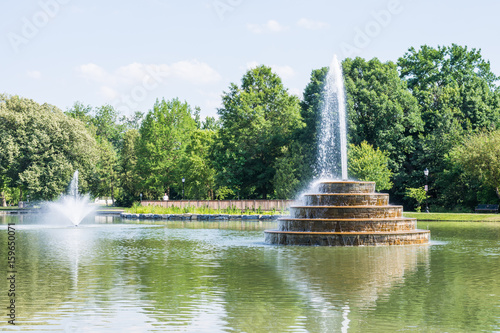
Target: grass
[
  {"x": 465, "y": 217},
  {"x": 138, "y": 209}
]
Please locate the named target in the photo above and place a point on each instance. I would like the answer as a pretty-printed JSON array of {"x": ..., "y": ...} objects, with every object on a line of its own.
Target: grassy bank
[
  {"x": 471, "y": 217},
  {"x": 138, "y": 209}
]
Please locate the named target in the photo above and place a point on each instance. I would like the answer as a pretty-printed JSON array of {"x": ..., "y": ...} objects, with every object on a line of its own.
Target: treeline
[{"x": 436, "y": 108}]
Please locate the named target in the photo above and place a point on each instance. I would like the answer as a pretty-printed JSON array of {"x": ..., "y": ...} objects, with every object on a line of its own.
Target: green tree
[
  {"x": 258, "y": 120},
  {"x": 458, "y": 95},
  {"x": 164, "y": 135},
  {"x": 369, "y": 164},
  {"x": 479, "y": 155},
  {"x": 310, "y": 110},
  {"x": 196, "y": 166},
  {"x": 381, "y": 109},
  {"x": 42, "y": 147},
  {"x": 418, "y": 194},
  {"x": 129, "y": 178},
  {"x": 107, "y": 171}
]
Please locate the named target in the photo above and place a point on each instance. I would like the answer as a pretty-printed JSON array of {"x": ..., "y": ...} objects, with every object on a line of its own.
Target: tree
[
  {"x": 369, "y": 164},
  {"x": 258, "y": 120},
  {"x": 381, "y": 109},
  {"x": 479, "y": 155},
  {"x": 107, "y": 171},
  {"x": 42, "y": 147},
  {"x": 310, "y": 110},
  {"x": 129, "y": 178},
  {"x": 458, "y": 95},
  {"x": 196, "y": 166},
  {"x": 418, "y": 194},
  {"x": 164, "y": 135}
]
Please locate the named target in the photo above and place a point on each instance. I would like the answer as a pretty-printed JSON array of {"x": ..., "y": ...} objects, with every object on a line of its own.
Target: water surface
[{"x": 110, "y": 275}]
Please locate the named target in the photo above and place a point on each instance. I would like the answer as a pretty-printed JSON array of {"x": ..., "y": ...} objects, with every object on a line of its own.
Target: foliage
[
  {"x": 164, "y": 135},
  {"x": 310, "y": 110},
  {"x": 419, "y": 194},
  {"x": 381, "y": 109},
  {"x": 458, "y": 95},
  {"x": 258, "y": 120},
  {"x": 196, "y": 166},
  {"x": 479, "y": 155},
  {"x": 151, "y": 209},
  {"x": 369, "y": 164},
  {"x": 42, "y": 147}
]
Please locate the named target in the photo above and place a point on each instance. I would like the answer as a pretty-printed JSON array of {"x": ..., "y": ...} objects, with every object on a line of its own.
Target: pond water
[{"x": 113, "y": 275}]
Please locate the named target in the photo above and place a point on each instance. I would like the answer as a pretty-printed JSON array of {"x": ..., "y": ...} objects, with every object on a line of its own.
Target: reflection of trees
[
  {"x": 337, "y": 282},
  {"x": 457, "y": 292},
  {"x": 256, "y": 297}
]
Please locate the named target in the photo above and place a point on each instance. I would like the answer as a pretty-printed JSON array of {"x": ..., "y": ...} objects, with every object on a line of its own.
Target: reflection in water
[{"x": 220, "y": 276}]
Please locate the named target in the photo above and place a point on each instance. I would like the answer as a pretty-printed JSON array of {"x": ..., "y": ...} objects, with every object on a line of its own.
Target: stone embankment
[{"x": 197, "y": 217}]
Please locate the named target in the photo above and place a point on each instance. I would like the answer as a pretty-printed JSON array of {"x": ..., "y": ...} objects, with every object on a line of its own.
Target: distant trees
[
  {"x": 41, "y": 148},
  {"x": 437, "y": 108},
  {"x": 258, "y": 122},
  {"x": 164, "y": 136},
  {"x": 369, "y": 164},
  {"x": 479, "y": 156}
]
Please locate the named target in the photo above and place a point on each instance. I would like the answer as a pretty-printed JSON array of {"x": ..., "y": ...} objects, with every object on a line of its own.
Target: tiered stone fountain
[{"x": 346, "y": 213}]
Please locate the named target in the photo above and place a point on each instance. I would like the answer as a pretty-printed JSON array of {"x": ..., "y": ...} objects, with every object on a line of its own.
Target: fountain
[
  {"x": 73, "y": 205},
  {"x": 342, "y": 212}
]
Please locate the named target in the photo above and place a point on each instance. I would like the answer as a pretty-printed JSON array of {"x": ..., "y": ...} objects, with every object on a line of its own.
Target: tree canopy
[
  {"x": 258, "y": 120},
  {"x": 41, "y": 148}
]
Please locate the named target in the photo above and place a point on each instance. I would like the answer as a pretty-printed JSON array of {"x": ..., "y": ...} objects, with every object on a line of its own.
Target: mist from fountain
[
  {"x": 73, "y": 206},
  {"x": 332, "y": 135}
]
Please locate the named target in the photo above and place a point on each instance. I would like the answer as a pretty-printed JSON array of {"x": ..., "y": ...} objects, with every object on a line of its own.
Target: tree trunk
[
  {"x": 498, "y": 192},
  {"x": 4, "y": 201}
]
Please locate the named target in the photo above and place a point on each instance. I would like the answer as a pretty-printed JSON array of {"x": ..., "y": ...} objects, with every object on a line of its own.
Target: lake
[{"x": 114, "y": 275}]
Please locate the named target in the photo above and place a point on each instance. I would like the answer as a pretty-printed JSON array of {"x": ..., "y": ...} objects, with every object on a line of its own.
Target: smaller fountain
[{"x": 73, "y": 205}]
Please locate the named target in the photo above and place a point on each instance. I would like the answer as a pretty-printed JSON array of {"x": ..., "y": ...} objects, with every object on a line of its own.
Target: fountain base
[{"x": 346, "y": 213}]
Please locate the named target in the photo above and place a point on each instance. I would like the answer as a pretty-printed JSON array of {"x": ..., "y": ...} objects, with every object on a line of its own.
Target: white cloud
[
  {"x": 34, "y": 74},
  {"x": 271, "y": 26},
  {"x": 284, "y": 72},
  {"x": 297, "y": 92},
  {"x": 312, "y": 25},
  {"x": 138, "y": 79},
  {"x": 252, "y": 64}
]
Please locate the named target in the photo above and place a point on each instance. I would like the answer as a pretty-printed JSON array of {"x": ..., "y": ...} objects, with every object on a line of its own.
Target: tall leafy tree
[
  {"x": 457, "y": 94},
  {"x": 128, "y": 177},
  {"x": 310, "y": 110},
  {"x": 369, "y": 164},
  {"x": 42, "y": 147},
  {"x": 164, "y": 135},
  {"x": 381, "y": 109},
  {"x": 479, "y": 155},
  {"x": 258, "y": 119},
  {"x": 196, "y": 166}
]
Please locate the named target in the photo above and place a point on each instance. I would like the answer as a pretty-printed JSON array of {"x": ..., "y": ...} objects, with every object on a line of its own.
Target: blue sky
[{"x": 130, "y": 53}]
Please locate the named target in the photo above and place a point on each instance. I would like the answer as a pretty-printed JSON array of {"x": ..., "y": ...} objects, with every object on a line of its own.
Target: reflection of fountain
[
  {"x": 73, "y": 206},
  {"x": 342, "y": 213}
]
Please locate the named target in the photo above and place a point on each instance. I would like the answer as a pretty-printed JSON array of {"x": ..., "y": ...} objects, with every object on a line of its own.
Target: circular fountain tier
[{"x": 346, "y": 213}]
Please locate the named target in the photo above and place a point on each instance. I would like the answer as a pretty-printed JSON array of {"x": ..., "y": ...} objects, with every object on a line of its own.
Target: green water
[{"x": 111, "y": 275}]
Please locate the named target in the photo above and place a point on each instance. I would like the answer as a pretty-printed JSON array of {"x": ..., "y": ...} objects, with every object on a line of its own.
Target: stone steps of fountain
[
  {"x": 346, "y": 187},
  {"x": 349, "y": 212},
  {"x": 411, "y": 237},
  {"x": 346, "y": 199},
  {"x": 347, "y": 225}
]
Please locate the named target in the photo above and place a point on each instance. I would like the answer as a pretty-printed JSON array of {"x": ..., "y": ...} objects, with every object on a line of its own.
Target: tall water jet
[
  {"x": 332, "y": 134},
  {"x": 341, "y": 212},
  {"x": 73, "y": 205}
]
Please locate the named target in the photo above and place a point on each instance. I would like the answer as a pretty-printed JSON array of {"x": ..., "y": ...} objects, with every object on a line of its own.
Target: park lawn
[{"x": 469, "y": 217}]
